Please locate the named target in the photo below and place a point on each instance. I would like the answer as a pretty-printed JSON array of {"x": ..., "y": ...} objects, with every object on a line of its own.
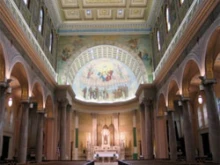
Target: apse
[{"x": 105, "y": 80}]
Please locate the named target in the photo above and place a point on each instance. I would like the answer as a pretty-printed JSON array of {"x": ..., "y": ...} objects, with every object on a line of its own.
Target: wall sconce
[
  {"x": 31, "y": 105},
  {"x": 200, "y": 100},
  {"x": 10, "y": 102}
]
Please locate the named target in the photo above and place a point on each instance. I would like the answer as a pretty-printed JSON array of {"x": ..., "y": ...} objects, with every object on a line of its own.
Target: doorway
[
  {"x": 205, "y": 144},
  {"x": 5, "y": 148}
]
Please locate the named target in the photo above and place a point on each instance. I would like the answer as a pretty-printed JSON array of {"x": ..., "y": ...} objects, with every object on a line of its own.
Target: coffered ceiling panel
[{"x": 123, "y": 15}]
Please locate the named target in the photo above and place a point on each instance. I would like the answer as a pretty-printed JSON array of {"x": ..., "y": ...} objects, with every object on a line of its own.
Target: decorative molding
[
  {"x": 104, "y": 28},
  {"x": 27, "y": 31}
]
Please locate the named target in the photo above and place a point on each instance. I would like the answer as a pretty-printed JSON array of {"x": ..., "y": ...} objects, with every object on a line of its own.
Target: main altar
[{"x": 111, "y": 147}]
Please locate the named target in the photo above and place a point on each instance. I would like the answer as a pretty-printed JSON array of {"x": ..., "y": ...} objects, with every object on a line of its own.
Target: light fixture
[
  {"x": 200, "y": 100},
  {"x": 31, "y": 105},
  {"x": 10, "y": 102},
  {"x": 179, "y": 103}
]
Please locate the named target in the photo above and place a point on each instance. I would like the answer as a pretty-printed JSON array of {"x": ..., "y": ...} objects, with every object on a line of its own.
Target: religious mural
[
  {"x": 73, "y": 46},
  {"x": 105, "y": 80}
]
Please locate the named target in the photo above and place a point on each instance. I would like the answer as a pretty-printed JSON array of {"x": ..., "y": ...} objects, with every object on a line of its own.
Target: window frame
[{"x": 158, "y": 40}]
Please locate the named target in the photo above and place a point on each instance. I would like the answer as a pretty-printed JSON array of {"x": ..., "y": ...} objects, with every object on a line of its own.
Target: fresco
[
  {"x": 105, "y": 80},
  {"x": 73, "y": 46}
]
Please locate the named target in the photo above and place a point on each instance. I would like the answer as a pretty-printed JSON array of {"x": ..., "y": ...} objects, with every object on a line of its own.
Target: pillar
[
  {"x": 63, "y": 110},
  {"x": 94, "y": 129},
  {"x": 115, "y": 122},
  {"x": 39, "y": 147},
  {"x": 148, "y": 129},
  {"x": 188, "y": 131},
  {"x": 76, "y": 135},
  {"x": 50, "y": 138},
  {"x": 68, "y": 131},
  {"x": 213, "y": 119},
  {"x": 135, "y": 154},
  {"x": 172, "y": 136},
  {"x": 22, "y": 149},
  {"x": 3, "y": 89},
  {"x": 161, "y": 138},
  {"x": 142, "y": 121}
]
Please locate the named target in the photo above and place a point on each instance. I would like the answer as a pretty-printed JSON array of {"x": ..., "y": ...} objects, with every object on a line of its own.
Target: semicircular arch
[{"x": 191, "y": 70}]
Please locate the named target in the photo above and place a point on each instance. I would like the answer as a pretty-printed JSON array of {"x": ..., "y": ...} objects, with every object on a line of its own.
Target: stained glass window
[
  {"x": 168, "y": 19},
  {"x": 51, "y": 41},
  {"x": 41, "y": 20},
  {"x": 158, "y": 40}
]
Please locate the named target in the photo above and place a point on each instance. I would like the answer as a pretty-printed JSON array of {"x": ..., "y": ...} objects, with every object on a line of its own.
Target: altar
[{"x": 109, "y": 150}]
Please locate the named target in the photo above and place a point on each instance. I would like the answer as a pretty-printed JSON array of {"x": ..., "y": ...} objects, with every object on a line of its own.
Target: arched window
[
  {"x": 158, "y": 40},
  {"x": 181, "y": 2},
  {"x": 51, "y": 42},
  {"x": 41, "y": 20},
  {"x": 168, "y": 18}
]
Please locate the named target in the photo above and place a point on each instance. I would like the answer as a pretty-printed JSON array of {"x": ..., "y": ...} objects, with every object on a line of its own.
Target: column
[
  {"x": 63, "y": 109},
  {"x": 148, "y": 129},
  {"x": 50, "y": 147},
  {"x": 39, "y": 147},
  {"x": 161, "y": 138},
  {"x": 3, "y": 89},
  {"x": 213, "y": 119},
  {"x": 22, "y": 149},
  {"x": 172, "y": 136},
  {"x": 94, "y": 129},
  {"x": 76, "y": 135},
  {"x": 115, "y": 122},
  {"x": 135, "y": 154},
  {"x": 188, "y": 132},
  {"x": 142, "y": 121},
  {"x": 68, "y": 124}
]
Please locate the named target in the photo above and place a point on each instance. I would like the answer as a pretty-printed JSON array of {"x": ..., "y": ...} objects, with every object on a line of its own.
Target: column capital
[
  {"x": 147, "y": 101},
  {"x": 63, "y": 102},
  {"x": 206, "y": 81},
  {"x": 185, "y": 99}
]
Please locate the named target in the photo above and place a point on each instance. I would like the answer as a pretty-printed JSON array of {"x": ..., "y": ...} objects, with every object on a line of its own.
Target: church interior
[{"x": 101, "y": 81}]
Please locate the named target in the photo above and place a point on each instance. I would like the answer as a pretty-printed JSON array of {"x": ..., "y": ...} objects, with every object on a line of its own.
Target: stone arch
[
  {"x": 212, "y": 52},
  {"x": 19, "y": 72},
  {"x": 2, "y": 64},
  {"x": 191, "y": 72},
  {"x": 78, "y": 56},
  {"x": 173, "y": 92}
]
